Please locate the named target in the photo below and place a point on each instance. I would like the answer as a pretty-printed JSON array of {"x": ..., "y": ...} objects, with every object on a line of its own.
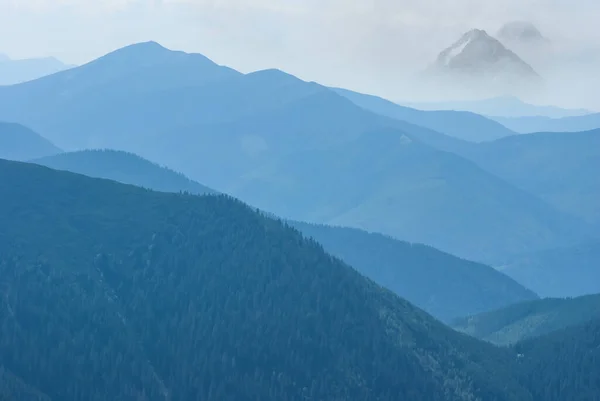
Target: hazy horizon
[{"x": 374, "y": 48}]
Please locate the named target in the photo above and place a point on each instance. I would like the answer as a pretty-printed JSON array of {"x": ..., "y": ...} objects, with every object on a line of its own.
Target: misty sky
[{"x": 365, "y": 45}]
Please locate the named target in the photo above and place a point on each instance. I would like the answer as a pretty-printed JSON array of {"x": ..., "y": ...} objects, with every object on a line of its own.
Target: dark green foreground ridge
[{"x": 113, "y": 292}]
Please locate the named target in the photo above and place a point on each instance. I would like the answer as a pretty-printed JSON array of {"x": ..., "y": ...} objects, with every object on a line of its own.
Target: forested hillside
[
  {"x": 115, "y": 292},
  {"x": 564, "y": 365},
  {"x": 530, "y": 319}
]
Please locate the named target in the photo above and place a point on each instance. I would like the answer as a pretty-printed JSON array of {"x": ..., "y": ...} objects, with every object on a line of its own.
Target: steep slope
[
  {"x": 559, "y": 272},
  {"x": 386, "y": 182},
  {"x": 123, "y": 167},
  {"x": 439, "y": 283},
  {"x": 115, "y": 292},
  {"x": 561, "y": 168},
  {"x": 20, "y": 143},
  {"x": 564, "y": 365},
  {"x": 530, "y": 319},
  {"x": 17, "y": 71},
  {"x": 463, "y": 125},
  {"x": 544, "y": 124}
]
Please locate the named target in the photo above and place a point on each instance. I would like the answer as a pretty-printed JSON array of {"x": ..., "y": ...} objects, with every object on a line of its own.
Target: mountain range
[
  {"x": 129, "y": 272},
  {"x": 201, "y": 297},
  {"x": 463, "y": 288},
  {"x": 268, "y": 131}
]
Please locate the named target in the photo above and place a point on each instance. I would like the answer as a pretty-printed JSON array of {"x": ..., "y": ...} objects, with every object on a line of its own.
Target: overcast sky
[{"x": 359, "y": 43}]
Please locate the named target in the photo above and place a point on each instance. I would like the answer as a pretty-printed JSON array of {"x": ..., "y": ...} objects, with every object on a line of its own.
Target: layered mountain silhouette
[
  {"x": 237, "y": 133},
  {"x": 17, "y": 71},
  {"x": 185, "y": 297},
  {"x": 387, "y": 182},
  {"x": 530, "y": 319},
  {"x": 441, "y": 284},
  {"x": 20, "y": 143}
]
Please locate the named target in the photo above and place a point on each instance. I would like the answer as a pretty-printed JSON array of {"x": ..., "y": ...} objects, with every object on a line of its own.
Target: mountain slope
[
  {"x": 560, "y": 168},
  {"x": 200, "y": 297},
  {"x": 123, "y": 167},
  {"x": 566, "y": 271},
  {"x": 20, "y": 143},
  {"x": 461, "y": 288},
  {"x": 458, "y": 124},
  {"x": 17, "y": 71},
  {"x": 530, "y": 319},
  {"x": 439, "y": 283},
  {"x": 386, "y": 182},
  {"x": 564, "y": 365},
  {"x": 544, "y": 124}
]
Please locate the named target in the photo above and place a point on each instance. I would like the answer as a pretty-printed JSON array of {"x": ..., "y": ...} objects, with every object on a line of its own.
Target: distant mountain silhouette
[
  {"x": 20, "y": 143},
  {"x": 459, "y": 124},
  {"x": 123, "y": 167},
  {"x": 17, "y": 71},
  {"x": 441, "y": 284},
  {"x": 546, "y": 124},
  {"x": 530, "y": 319},
  {"x": 504, "y": 106},
  {"x": 478, "y": 64}
]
